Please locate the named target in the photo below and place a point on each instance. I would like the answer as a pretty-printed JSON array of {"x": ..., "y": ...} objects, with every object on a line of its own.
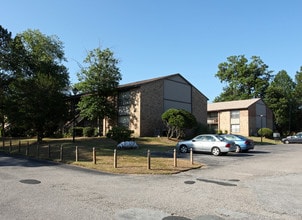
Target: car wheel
[
  {"x": 238, "y": 149},
  {"x": 183, "y": 149},
  {"x": 215, "y": 151},
  {"x": 286, "y": 142}
]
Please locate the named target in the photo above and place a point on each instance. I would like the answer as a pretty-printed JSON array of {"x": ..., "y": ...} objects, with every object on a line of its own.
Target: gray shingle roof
[
  {"x": 139, "y": 83},
  {"x": 238, "y": 104}
]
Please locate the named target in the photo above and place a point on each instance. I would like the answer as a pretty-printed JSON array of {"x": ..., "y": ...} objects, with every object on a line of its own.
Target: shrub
[
  {"x": 265, "y": 132},
  {"x": 88, "y": 131},
  {"x": 119, "y": 134},
  {"x": 78, "y": 131}
]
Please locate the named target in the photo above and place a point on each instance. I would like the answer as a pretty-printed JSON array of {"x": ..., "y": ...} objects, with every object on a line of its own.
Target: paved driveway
[{"x": 263, "y": 184}]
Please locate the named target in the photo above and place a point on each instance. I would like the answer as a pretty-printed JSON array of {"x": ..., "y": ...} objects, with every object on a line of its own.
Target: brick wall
[{"x": 151, "y": 108}]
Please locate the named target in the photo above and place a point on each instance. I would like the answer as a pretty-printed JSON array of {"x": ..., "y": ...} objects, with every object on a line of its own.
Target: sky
[{"x": 155, "y": 38}]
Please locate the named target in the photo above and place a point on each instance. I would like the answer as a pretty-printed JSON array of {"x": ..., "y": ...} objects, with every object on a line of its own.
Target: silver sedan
[{"x": 212, "y": 143}]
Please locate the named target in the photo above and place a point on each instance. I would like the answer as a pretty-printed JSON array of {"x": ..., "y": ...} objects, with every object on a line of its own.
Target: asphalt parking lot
[{"x": 265, "y": 183}]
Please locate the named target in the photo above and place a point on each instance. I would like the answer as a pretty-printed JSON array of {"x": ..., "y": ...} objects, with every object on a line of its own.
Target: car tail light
[
  {"x": 248, "y": 142},
  {"x": 228, "y": 145}
]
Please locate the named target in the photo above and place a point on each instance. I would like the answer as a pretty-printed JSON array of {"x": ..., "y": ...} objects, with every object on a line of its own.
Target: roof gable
[
  {"x": 142, "y": 82},
  {"x": 174, "y": 77},
  {"x": 230, "y": 105}
]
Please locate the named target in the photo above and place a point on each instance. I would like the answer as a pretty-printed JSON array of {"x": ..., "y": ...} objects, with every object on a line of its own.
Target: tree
[
  {"x": 297, "y": 116},
  {"x": 98, "y": 83},
  {"x": 244, "y": 80},
  {"x": 177, "y": 121},
  {"x": 5, "y": 51},
  {"x": 37, "y": 94},
  {"x": 279, "y": 98}
]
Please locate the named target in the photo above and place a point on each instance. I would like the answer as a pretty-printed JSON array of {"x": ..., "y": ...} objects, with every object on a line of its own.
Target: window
[
  {"x": 124, "y": 98},
  {"x": 124, "y": 103},
  {"x": 235, "y": 114},
  {"x": 235, "y": 121},
  {"x": 123, "y": 121},
  {"x": 235, "y": 128}
]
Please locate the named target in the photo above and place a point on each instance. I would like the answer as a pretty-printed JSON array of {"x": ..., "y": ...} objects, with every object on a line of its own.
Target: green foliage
[
  {"x": 177, "y": 121},
  {"x": 5, "y": 67},
  {"x": 119, "y": 134},
  {"x": 280, "y": 99},
  {"x": 265, "y": 132},
  {"x": 37, "y": 92},
  {"x": 244, "y": 80},
  {"x": 99, "y": 80},
  {"x": 78, "y": 131},
  {"x": 88, "y": 131}
]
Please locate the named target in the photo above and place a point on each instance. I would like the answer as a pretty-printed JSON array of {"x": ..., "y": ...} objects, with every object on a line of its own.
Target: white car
[{"x": 212, "y": 143}]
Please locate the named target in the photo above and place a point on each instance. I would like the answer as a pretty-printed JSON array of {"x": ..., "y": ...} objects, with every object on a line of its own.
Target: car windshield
[{"x": 220, "y": 137}]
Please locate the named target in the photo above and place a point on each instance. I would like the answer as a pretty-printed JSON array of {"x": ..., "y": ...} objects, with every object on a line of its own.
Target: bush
[
  {"x": 265, "y": 132},
  {"x": 119, "y": 134},
  {"x": 78, "y": 131},
  {"x": 88, "y": 131}
]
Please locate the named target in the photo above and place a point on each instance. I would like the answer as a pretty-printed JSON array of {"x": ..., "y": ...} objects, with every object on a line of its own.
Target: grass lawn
[{"x": 130, "y": 161}]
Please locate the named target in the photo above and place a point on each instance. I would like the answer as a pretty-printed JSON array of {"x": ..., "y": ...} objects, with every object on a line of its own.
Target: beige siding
[
  {"x": 224, "y": 121},
  {"x": 244, "y": 122},
  {"x": 135, "y": 112}
]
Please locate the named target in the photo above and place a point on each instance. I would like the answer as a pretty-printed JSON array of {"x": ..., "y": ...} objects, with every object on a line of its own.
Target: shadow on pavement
[{"x": 7, "y": 160}]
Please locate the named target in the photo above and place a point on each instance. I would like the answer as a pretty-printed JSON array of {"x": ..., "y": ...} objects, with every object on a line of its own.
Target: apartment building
[{"x": 243, "y": 117}]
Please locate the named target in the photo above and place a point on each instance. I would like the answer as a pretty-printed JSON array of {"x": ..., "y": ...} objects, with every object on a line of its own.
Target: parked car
[
  {"x": 243, "y": 144},
  {"x": 212, "y": 143},
  {"x": 292, "y": 139}
]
